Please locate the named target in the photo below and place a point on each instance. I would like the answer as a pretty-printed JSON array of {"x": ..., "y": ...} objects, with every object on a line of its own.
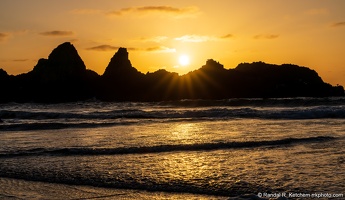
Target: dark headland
[{"x": 63, "y": 77}]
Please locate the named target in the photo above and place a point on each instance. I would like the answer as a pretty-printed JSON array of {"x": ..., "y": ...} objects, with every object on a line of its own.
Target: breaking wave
[
  {"x": 163, "y": 148},
  {"x": 96, "y": 114}
]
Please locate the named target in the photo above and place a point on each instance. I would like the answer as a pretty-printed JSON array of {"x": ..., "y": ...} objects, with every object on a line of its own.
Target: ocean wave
[
  {"x": 130, "y": 113},
  {"x": 162, "y": 148},
  {"x": 95, "y": 114},
  {"x": 220, "y": 112},
  {"x": 74, "y": 178},
  {"x": 262, "y": 102},
  {"x": 208, "y": 113},
  {"x": 57, "y": 125}
]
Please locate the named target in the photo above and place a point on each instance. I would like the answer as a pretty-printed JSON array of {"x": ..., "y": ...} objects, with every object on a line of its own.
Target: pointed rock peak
[
  {"x": 122, "y": 52},
  {"x": 66, "y": 55},
  {"x": 120, "y": 59},
  {"x": 66, "y": 45},
  {"x": 64, "y": 60},
  {"x": 65, "y": 51},
  {"x": 118, "y": 62}
]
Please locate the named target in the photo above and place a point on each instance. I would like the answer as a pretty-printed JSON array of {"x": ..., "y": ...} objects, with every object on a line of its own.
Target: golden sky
[{"x": 156, "y": 33}]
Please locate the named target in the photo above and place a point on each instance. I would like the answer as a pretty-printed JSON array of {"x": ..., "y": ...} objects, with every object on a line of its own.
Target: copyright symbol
[{"x": 260, "y": 194}]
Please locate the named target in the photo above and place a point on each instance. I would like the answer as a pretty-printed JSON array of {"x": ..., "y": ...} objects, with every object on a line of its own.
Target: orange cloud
[
  {"x": 162, "y": 9},
  {"x": 155, "y": 9},
  {"x": 194, "y": 38},
  {"x": 20, "y": 60},
  {"x": 227, "y": 36},
  {"x": 107, "y": 47},
  {"x": 3, "y": 36},
  {"x": 103, "y": 48},
  {"x": 202, "y": 38},
  {"x": 338, "y": 24},
  {"x": 267, "y": 36},
  {"x": 161, "y": 49},
  {"x": 57, "y": 33},
  {"x": 153, "y": 39}
]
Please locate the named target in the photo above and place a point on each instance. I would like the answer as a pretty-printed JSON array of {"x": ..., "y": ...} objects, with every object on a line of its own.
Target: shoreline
[{"x": 11, "y": 188}]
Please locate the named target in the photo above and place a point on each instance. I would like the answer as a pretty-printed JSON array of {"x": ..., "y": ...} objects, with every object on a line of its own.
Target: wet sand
[{"x": 21, "y": 189}]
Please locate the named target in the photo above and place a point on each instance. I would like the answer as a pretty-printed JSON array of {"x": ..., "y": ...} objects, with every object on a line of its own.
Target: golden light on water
[
  {"x": 186, "y": 133},
  {"x": 187, "y": 167}
]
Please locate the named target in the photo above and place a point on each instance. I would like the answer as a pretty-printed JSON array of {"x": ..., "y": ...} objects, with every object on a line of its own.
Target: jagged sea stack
[
  {"x": 63, "y": 63},
  {"x": 121, "y": 81},
  {"x": 62, "y": 77},
  {"x": 120, "y": 65}
]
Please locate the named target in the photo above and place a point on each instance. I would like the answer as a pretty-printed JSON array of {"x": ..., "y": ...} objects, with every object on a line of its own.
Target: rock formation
[
  {"x": 61, "y": 77},
  {"x": 119, "y": 65},
  {"x": 64, "y": 77},
  {"x": 63, "y": 63},
  {"x": 121, "y": 81}
]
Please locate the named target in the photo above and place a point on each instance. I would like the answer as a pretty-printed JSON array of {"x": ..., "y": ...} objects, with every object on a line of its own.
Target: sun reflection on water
[
  {"x": 188, "y": 168},
  {"x": 186, "y": 133}
]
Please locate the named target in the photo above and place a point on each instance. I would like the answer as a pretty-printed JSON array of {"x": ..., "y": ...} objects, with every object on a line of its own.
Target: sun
[{"x": 183, "y": 60}]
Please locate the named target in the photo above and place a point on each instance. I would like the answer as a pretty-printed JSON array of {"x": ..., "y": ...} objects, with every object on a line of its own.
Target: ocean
[{"x": 188, "y": 149}]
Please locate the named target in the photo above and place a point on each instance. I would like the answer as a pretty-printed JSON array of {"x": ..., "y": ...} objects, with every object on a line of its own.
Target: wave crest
[{"x": 163, "y": 148}]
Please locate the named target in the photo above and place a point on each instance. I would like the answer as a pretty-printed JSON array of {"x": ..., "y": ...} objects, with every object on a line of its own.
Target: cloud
[
  {"x": 185, "y": 11},
  {"x": 227, "y": 36},
  {"x": 267, "y": 36},
  {"x": 194, "y": 38},
  {"x": 153, "y": 39},
  {"x": 15, "y": 60},
  {"x": 338, "y": 24},
  {"x": 170, "y": 10},
  {"x": 161, "y": 49},
  {"x": 4, "y": 36},
  {"x": 57, "y": 33},
  {"x": 202, "y": 38},
  {"x": 103, "y": 48},
  {"x": 20, "y": 60},
  {"x": 7, "y": 35}
]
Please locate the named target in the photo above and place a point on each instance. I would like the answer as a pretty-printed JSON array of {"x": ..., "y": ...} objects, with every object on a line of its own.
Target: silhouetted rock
[
  {"x": 63, "y": 63},
  {"x": 259, "y": 79},
  {"x": 3, "y": 74},
  {"x": 120, "y": 80},
  {"x": 212, "y": 65},
  {"x": 64, "y": 77},
  {"x": 61, "y": 77},
  {"x": 208, "y": 82},
  {"x": 162, "y": 85},
  {"x": 120, "y": 65},
  {"x": 5, "y": 86}
]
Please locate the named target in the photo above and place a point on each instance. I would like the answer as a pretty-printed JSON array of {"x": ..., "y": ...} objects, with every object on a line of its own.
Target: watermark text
[{"x": 316, "y": 195}]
